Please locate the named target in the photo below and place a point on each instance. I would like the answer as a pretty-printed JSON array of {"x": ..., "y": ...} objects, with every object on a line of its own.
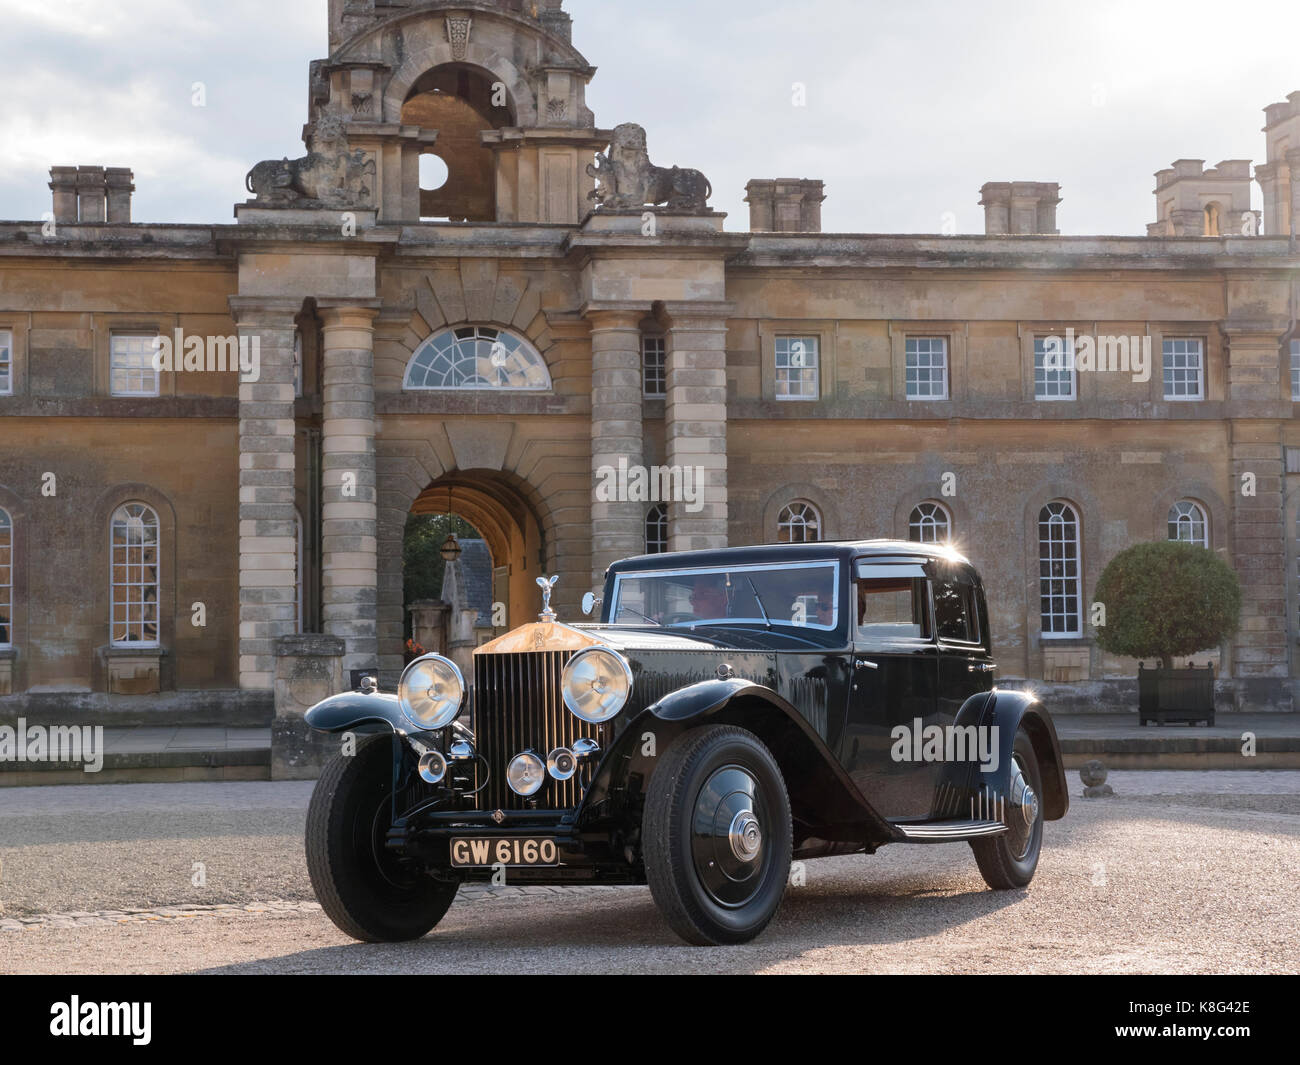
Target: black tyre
[
  {"x": 1009, "y": 860},
  {"x": 365, "y": 889},
  {"x": 717, "y": 836}
]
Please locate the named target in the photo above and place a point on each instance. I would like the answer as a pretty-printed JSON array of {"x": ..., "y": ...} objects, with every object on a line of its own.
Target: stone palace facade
[{"x": 560, "y": 308}]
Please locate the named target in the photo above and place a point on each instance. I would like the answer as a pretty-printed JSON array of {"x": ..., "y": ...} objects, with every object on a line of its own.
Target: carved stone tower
[{"x": 495, "y": 90}]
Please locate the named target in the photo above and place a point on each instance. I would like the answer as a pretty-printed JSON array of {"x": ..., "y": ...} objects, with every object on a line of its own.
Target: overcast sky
[{"x": 910, "y": 106}]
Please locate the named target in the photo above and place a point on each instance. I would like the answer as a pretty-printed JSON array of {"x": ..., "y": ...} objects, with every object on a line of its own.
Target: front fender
[
  {"x": 824, "y": 800},
  {"x": 1008, "y": 710},
  {"x": 350, "y": 711}
]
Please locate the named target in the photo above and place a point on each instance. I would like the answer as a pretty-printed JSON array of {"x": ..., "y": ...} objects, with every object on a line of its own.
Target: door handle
[
  {"x": 863, "y": 663},
  {"x": 982, "y": 667}
]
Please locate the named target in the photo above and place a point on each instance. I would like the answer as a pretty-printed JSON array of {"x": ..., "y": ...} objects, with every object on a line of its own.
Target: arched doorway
[{"x": 500, "y": 578}]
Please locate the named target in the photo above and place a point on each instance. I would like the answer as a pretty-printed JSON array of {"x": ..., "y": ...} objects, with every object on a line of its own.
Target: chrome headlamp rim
[
  {"x": 533, "y": 759},
  {"x": 570, "y": 703},
  {"x": 448, "y": 715}
]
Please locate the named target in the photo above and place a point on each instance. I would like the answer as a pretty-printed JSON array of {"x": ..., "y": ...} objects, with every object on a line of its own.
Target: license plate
[{"x": 525, "y": 851}]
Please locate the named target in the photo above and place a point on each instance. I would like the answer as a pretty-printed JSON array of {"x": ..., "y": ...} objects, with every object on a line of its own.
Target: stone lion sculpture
[
  {"x": 329, "y": 175},
  {"x": 626, "y": 177}
]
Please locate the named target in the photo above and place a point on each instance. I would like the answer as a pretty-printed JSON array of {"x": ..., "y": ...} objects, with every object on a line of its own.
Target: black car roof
[{"x": 822, "y": 549}]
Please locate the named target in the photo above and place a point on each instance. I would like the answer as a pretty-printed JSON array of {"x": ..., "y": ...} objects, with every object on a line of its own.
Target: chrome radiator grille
[{"x": 518, "y": 706}]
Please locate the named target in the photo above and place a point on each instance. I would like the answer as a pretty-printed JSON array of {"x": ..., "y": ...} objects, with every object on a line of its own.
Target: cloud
[{"x": 911, "y": 108}]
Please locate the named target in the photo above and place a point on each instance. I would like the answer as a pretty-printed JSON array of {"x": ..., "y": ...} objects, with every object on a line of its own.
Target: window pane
[
  {"x": 132, "y": 372},
  {"x": 892, "y": 609},
  {"x": 952, "y": 611},
  {"x": 133, "y": 566},
  {"x": 929, "y": 524},
  {"x": 654, "y": 366},
  {"x": 797, "y": 368},
  {"x": 656, "y": 530},
  {"x": 477, "y": 358},
  {"x": 799, "y": 523},
  {"x": 1059, "y": 586},
  {"x": 6, "y": 362},
  {"x": 1054, "y": 375},
  {"x": 1183, "y": 370},
  {"x": 927, "y": 368},
  {"x": 6, "y": 578}
]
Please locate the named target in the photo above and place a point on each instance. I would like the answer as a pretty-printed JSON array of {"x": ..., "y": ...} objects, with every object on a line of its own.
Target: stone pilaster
[
  {"x": 268, "y": 541},
  {"x": 696, "y": 422},
  {"x": 617, "y": 526},
  {"x": 1259, "y": 536},
  {"x": 1259, "y": 551},
  {"x": 349, "y": 534}
]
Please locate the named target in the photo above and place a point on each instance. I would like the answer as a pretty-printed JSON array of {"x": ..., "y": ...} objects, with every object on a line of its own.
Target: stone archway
[{"x": 509, "y": 518}]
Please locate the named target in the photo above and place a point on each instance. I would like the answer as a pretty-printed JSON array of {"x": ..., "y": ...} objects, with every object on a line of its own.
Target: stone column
[
  {"x": 349, "y": 548},
  {"x": 268, "y": 538},
  {"x": 696, "y": 423},
  {"x": 617, "y": 526}
]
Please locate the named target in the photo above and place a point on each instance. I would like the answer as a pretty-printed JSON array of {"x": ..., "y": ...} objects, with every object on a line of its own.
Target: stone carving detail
[
  {"x": 330, "y": 175},
  {"x": 556, "y": 109},
  {"x": 627, "y": 178},
  {"x": 458, "y": 27},
  {"x": 361, "y": 103}
]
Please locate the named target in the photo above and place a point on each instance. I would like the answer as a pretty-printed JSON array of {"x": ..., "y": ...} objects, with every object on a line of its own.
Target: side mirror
[{"x": 589, "y": 603}]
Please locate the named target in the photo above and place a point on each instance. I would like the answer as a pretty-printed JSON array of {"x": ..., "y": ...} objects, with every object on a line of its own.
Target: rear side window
[
  {"x": 893, "y": 609},
  {"x": 956, "y": 617}
]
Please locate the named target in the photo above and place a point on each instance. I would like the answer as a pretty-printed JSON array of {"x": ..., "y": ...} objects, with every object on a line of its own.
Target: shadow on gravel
[{"x": 622, "y": 931}]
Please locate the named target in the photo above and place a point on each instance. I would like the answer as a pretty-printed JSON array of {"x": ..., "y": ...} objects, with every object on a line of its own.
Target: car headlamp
[
  {"x": 431, "y": 692},
  {"x": 596, "y": 684}
]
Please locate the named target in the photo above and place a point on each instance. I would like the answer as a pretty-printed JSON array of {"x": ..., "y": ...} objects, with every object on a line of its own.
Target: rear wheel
[
  {"x": 1009, "y": 860},
  {"x": 365, "y": 889},
  {"x": 717, "y": 836}
]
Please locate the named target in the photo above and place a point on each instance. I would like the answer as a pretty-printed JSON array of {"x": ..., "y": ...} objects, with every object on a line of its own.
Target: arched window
[
  {"x": 799, "y": 523},
  {"x": 930, "y": 523},
  {"x": 1188, "y": 523},
  {"x": 6, "y": 578},
  {"x": 134, "y": 561},
  {"x": 1211, "y": 220},
  {"x": 1060, "y": 588},
  {"x": 477, "y": 358},
  {"x": 656, "y": 530}
]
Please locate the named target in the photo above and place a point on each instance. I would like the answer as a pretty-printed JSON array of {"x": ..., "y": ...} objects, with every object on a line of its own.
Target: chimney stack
[
  {"x": 1194, "y": 202},
  {"x": 92, "y": 193},
  {"x": 1020, "y": 208},
  {"x": 785, "y": 205}
]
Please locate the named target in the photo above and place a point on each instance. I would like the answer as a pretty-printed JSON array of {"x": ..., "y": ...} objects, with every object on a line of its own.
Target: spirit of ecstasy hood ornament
[{"x": 546, "y": 586}]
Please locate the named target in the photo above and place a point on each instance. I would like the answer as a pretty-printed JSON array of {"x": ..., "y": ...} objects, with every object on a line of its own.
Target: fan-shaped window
[
  {"x": 656, "y": 530},
  {"x": 134, "y": 547},
  {"x": 799, "y": 523},
  {"x": 930, "y": 523},
  {"x": 1188, "y": 523},
  {"x": 6, "y": 578},
  {"x": 477, "y": 358}
]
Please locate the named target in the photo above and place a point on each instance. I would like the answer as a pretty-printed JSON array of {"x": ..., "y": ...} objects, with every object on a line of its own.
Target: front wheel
[
  {"x": 1009, "y": 860},
  {"x": 364, "y": 888},
  {"x": 717, "y": 836}
]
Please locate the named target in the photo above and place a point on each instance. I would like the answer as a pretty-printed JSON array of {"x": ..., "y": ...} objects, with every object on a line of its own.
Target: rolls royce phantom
[{"x": 731, "y": 712}]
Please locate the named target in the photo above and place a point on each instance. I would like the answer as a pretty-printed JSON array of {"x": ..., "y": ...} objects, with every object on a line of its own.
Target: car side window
[
  {"x": 955, "y": 615},
  {"x": 892, "y": 608}
]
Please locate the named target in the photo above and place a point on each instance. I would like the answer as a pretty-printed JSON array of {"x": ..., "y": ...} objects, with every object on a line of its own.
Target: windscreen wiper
[{"x": 759, "y": 600}]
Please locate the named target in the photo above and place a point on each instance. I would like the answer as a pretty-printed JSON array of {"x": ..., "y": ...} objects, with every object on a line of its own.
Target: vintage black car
[{"x": 734, "y": 710}]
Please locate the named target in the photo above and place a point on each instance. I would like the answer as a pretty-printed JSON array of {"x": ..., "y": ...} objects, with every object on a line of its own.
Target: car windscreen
[{"x": 800, "y": 595}]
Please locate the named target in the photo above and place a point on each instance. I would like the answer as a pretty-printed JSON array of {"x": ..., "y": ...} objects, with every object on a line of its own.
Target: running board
[{"x": 950, "y": 831}]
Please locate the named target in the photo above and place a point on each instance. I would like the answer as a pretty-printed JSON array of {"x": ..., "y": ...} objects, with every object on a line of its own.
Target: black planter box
[{"x": 1180, "y": 696}]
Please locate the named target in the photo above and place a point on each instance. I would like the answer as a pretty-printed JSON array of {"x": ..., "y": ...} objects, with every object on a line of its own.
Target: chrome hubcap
[
  {"x": 746, "y": 836},
  {"x": 1023, "y": 796}
]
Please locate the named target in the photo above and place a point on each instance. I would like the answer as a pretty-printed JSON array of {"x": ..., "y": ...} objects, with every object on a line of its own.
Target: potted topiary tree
[{"x": 1166, "y": 601}]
